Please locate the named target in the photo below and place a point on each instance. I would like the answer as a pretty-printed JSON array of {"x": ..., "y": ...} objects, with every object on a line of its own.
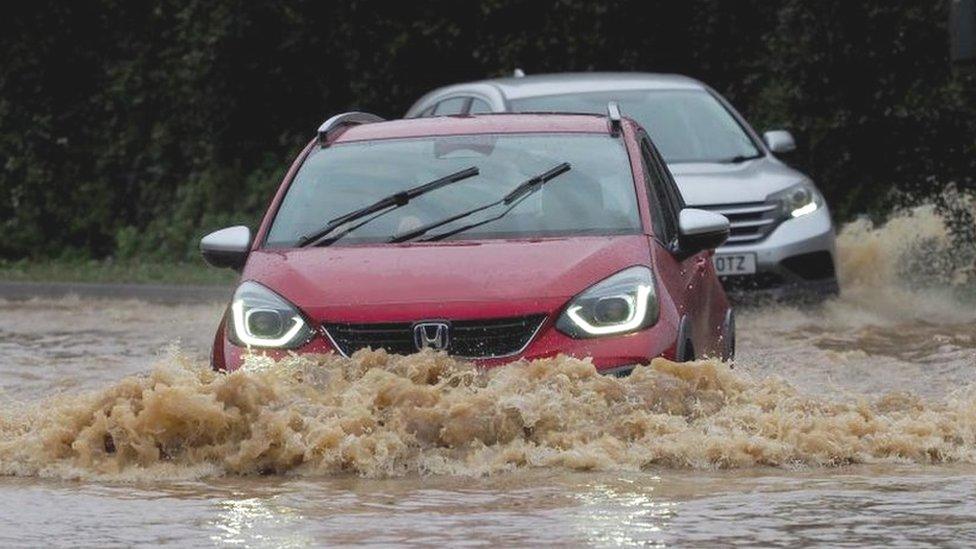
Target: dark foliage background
[{"x": 131, "y": 128}]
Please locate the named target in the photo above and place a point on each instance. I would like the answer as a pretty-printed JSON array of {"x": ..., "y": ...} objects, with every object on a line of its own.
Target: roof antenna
[
  {"x": 518, "y": 73},
  {"x": 341, "y": 121},
  {"x": 613, "y": 114}
]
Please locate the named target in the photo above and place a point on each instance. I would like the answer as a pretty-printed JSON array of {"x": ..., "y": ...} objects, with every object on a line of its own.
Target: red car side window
[{"x": 663, "y": 217}]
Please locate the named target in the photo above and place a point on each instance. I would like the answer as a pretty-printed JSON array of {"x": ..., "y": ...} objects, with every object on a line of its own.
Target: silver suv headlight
[
  {"x": 799, "y": 200},
  {"x": 625, "y": 302},
  {"x": 262, "y": 318}
]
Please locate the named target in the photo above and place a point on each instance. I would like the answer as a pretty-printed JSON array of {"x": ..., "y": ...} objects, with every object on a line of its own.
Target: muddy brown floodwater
[{"x": 851, "y": 423}]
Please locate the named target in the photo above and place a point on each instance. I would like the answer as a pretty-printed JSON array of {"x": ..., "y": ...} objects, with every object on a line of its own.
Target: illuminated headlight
[
  {"x": 798, "y": 200},
  {"x": 262, "y": 318},
  {"x": 625, "y": 302}
]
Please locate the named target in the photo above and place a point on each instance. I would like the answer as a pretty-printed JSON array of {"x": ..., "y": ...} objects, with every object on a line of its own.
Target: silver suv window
[
  {"x": 479, "y": 107},
  {"x": 454, "y": 105},
  {"x": 686, "y": 125}
]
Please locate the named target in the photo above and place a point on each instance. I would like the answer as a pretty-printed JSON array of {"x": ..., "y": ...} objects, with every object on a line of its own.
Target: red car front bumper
[{"x": 607, "y": 353}]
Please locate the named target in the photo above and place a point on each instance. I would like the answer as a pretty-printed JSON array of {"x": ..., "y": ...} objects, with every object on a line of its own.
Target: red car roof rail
[
  {"x": 613, "y": 114},
  {"x": 341, "y": 121}
]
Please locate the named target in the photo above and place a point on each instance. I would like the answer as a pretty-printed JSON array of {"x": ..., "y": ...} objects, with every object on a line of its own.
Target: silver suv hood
[{"x": 710, "y": 183}]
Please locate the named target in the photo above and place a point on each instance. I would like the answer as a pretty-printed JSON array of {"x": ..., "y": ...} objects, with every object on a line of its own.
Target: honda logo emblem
[{"x": 431, "y": 335}]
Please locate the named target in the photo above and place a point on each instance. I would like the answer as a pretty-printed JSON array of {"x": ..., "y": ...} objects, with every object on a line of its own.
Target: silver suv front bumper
[{"x": 794, "y": 258}]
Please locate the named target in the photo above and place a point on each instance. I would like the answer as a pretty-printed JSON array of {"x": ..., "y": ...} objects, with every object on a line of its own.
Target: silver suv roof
[
  {"x": 581, "y": 82},
  {"x": 499, "y": 91}
]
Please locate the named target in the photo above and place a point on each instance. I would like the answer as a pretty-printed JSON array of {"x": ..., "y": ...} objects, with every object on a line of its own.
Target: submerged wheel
[
  {"x": 728, "y": 333},
  {"x": 686, "y": 350}
]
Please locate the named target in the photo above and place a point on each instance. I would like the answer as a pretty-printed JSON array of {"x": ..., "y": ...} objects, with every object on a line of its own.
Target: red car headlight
[
  {"x": 264, "y": 319},
  {"x": 625, "y": 302}
]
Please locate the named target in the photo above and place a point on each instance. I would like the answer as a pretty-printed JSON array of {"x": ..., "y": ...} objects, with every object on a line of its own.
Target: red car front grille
[{"x": 481, "y": 338}]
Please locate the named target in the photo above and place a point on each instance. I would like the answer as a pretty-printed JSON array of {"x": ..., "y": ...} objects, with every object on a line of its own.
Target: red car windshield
[{"x": 596, "y": 197}]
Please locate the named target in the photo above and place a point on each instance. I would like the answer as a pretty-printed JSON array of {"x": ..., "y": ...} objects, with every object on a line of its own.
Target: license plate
[{"x": 734, "y": 264}]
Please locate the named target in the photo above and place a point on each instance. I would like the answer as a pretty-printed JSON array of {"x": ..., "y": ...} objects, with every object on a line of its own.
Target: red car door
[{"x": 685, "y": 276}]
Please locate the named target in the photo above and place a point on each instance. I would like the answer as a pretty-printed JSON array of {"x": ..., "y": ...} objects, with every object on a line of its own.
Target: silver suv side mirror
[
  {"x": 779, "y": 141},
  {"x": 701, "y": 230},
  {"x": 227, "y": 247}
]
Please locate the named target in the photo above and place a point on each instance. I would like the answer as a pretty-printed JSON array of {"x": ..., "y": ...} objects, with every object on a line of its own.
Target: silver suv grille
[{"x": 750, "y": 221}]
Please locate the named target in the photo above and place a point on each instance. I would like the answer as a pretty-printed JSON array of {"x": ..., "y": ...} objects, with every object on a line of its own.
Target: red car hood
[{"x": 445, "y": 279}]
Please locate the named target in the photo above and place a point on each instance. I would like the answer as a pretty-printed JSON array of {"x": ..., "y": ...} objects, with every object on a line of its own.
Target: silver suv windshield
[
  {"x": 596, "y": 197},
  {"x": 686, "y": 125}
]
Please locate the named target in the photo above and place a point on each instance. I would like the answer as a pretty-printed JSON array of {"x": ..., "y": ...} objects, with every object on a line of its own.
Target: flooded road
[
  {"x": 851, "y": 423},
  {"x": 894, "y": 506}
]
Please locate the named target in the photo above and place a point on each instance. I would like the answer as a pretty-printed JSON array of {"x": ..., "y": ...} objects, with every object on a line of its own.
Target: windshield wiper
[
  {"x": 388, "y": 203},
  {"x": 512, "y": 199},
  {"x": 739, "y": 158}
]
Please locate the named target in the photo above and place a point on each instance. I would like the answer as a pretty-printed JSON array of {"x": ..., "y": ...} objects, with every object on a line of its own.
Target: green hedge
[{"x": 130, "y": 128}]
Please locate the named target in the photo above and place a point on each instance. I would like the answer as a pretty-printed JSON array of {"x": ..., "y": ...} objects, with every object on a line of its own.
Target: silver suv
[{"x": 782, "y": 238}]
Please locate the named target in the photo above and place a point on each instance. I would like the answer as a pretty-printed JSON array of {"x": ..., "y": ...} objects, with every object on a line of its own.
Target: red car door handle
[{"x": 701, "y": 265}]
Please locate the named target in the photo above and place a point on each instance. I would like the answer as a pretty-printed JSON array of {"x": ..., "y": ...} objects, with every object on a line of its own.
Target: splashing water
[
  {"x": 909, "y": 268},
  {"x": 377, "y": 415}
]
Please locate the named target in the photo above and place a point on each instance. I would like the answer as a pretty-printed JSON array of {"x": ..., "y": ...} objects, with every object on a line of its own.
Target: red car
[{"x": 494, "y": 238}]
